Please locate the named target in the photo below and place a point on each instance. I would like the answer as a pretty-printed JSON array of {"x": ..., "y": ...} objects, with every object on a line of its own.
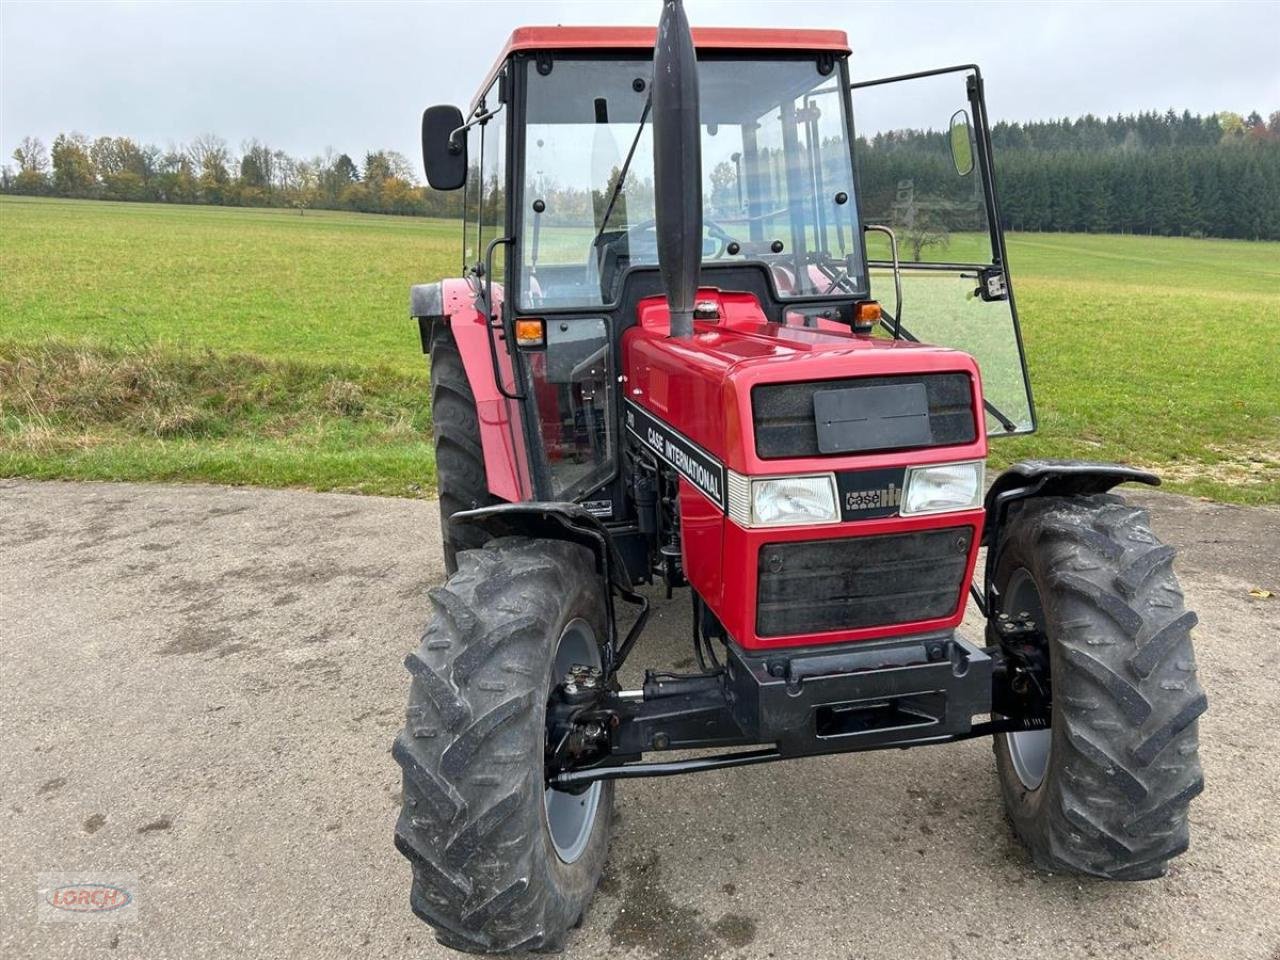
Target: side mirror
[
  {"x": 445, "y": 161},
  {"x": 961, "y": 143}
]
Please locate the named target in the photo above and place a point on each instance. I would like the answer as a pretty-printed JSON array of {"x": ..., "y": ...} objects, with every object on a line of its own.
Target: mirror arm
[
  {"x": 455, "y": 145},
  {"x": 897, "y": 274}
]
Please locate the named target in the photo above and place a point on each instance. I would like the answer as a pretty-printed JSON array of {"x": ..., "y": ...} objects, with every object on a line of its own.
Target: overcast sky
[{"x": 355, "y": 76}]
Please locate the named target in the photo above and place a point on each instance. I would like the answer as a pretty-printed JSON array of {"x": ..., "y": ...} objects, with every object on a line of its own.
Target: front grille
[
  {"x": 820, "y": 585},
  {"x": 785, "y": 425}
]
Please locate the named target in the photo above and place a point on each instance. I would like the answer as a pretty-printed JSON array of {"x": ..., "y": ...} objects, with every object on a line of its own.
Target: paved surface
[{"x": 200, "y": 686}]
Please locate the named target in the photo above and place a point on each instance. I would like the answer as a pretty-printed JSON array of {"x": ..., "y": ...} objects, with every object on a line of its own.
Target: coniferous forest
[{"x": 1167, "y": 174}]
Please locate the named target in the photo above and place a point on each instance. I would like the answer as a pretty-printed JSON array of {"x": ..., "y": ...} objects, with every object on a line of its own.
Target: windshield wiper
[{"x": 622, "y": 172}]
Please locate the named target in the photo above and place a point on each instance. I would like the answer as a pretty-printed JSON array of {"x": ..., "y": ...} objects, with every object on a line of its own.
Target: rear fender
[
  {"x": 1027, "y": 479},
  {"x": 453, "y": 303}
]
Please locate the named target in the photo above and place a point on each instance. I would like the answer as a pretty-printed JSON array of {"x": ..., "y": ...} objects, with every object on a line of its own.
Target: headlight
[
  {"x": 938, "y": 489},
  {"x": 782, "y": 500}
]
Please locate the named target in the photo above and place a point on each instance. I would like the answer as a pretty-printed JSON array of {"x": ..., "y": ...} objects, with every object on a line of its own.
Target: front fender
[
  {"x": 452, "y": 302},
  {"x": 1047, "y": 478},
  {"x": 1057, "y": 478}
]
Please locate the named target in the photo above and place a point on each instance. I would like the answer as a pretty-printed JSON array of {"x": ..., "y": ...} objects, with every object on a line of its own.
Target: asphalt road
[{"x": 200, "y": 687}]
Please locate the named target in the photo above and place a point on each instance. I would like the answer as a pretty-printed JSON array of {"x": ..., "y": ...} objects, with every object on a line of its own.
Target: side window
[
  {"x": 493, "y": 184},
  {"x": 919, "y": 152},
  {"x": 484, "y": 204},
  {"x": 908, "y": 173},
  {"x": 471, "y": 202}
]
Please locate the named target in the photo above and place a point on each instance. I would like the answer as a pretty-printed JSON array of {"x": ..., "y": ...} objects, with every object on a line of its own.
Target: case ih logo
[
  {"x": 865, "y": 494},
  {"x": 890, "y": 496}
]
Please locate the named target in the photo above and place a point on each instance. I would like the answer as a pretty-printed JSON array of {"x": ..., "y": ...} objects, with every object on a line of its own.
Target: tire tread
[
  {"x": 471, "y": 821},
  {"x": 1125, "y": 691}
]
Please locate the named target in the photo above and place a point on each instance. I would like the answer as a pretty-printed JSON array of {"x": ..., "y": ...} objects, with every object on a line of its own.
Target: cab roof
[
  {"x": 707, "y": 38},
  {"x": 642, "y": 38}
]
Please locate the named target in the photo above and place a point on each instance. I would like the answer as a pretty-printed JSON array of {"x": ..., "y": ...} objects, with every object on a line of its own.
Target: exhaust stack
[{"x": 677, "y": 165}]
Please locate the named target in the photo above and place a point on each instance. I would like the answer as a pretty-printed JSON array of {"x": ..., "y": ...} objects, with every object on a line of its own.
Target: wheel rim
[
  {"x": 571, "y": 816},
  {"x": 1028, "y": 749}
]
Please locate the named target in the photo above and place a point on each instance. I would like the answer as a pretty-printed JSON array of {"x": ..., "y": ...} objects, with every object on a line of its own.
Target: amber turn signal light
[
  {"x": 865, "y": 316},
  {"x": 530, "y": 333}
]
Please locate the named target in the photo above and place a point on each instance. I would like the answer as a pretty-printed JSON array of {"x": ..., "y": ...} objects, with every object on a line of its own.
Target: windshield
[{"x": 776, "y": 170}]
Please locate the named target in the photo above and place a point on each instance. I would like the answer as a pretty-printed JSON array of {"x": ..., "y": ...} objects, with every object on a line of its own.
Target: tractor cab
[
  {"x": 556, "y": 160},
  {"x": 730, "y": 322}
]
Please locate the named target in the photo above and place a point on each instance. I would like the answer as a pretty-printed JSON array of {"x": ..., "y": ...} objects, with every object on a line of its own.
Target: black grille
[
  {"x": 821, "y": 585},
  {"x": 785, "y": 425}
]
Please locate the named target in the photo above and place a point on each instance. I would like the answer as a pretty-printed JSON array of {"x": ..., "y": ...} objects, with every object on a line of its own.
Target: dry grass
[
  {"x": 80, "y": 410},
  {"x": 1228, "y": 467}
]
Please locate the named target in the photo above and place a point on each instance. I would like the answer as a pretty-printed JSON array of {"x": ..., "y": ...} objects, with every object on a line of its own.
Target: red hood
[{"x": 702, "y": 386}]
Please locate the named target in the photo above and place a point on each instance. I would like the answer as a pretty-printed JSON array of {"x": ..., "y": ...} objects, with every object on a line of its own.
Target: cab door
[{"x": 923, "y": 159}]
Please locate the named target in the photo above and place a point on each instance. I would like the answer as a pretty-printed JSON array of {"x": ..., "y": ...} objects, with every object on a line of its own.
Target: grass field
[{"x": 261, "y": 346}]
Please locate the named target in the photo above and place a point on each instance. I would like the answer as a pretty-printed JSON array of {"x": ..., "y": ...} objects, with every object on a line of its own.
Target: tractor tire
[
  {"x": 1110, "y": 797},
  {"x": 460, "y": 475},
  {"x": 499, "y": 862}
]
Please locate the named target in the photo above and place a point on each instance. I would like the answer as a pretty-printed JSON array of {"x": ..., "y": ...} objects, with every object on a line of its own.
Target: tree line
[
  {"x": 1160, "y": 173},
  {"x": 207, "y": 171}
]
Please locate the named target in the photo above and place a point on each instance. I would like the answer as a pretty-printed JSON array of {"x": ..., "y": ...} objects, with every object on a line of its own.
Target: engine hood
[{"x": 702, "y": 386}]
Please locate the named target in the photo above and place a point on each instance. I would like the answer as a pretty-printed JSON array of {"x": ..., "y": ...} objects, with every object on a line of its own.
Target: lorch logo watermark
[{"x": 85, "y": 896}]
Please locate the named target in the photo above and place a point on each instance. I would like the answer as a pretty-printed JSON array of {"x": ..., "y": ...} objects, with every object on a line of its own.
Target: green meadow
[{"x": 159, "y": 342}]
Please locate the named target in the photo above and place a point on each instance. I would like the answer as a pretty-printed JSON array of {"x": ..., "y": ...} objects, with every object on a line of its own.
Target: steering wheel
[
  {"x": 633, "y": 241},
  {"x": 718, "y": 232}
]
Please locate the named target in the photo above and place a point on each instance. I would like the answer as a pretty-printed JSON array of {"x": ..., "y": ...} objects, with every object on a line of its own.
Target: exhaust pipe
[{"x": 677, "y": 165}]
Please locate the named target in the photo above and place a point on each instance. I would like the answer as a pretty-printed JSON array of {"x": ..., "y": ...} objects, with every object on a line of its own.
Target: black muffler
[{"x": 677, "y": 164}]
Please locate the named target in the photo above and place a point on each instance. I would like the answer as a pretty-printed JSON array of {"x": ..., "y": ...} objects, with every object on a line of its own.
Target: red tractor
[{"x": 668, "y": 362}]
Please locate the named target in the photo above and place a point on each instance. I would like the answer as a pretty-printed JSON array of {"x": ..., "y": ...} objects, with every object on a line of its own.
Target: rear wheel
[
  {"x": 460, "y": 473},
  {"x": 1106, "y": 790},
  {"x": 500, "y": 862}
]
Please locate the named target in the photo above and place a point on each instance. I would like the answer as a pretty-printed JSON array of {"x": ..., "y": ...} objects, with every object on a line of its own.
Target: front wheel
[
  {"x": 1106, "y": 790},
  {"x": 500, "y": 862}
]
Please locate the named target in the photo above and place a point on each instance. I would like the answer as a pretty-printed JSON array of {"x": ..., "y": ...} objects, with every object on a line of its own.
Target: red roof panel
[
  {"x": 642, "y": 38},
  {"x": 708, "y": 38}
]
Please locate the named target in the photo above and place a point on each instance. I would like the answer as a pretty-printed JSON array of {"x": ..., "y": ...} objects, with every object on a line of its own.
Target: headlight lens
[
  {"x": 793, "y": 500},
  {"x": 941, "y": 488}
]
